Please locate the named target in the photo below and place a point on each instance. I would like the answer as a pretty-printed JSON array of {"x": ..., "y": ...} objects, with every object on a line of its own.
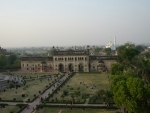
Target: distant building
[
  {"x": 67, "y": 60},
  {"x": 111, "y": 44}
]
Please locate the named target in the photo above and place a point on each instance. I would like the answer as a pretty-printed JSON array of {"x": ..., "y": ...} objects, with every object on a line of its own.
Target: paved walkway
[{"x": 44, "y": 95}]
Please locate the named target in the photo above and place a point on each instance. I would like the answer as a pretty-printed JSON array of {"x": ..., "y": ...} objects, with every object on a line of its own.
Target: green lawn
[
  {"x": 33, "y": 87},
  {"x": 9, "y": 109},
  {"x": 74, "y": 110},
  {"x": 86, "y": 83}
]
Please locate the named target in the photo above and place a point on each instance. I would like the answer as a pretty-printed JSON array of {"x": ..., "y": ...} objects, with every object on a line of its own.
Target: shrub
[
  {"x": 23, "y": 95},
  {"x": 65, "y": 92},
  {"x": 14, "y": 99}
]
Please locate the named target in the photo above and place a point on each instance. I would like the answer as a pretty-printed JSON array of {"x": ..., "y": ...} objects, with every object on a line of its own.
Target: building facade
[{"x": 65, "y": 61}]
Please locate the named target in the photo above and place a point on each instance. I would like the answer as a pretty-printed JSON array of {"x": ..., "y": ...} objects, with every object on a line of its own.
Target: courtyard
[{"x": 81, "y": 87}]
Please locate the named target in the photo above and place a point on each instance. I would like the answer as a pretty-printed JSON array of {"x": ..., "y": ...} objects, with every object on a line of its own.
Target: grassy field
[
  {"x": 74, "y": 110},
  {"x": 85, "y": 83},
  {"x": 33, "y": 87},
  {"x": 9, "y": 109}
]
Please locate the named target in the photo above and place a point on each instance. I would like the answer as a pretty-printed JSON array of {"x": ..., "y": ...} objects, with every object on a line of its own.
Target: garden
[
  {"x": 30, "y": 89},
  {"x": 83, "y": 88}
]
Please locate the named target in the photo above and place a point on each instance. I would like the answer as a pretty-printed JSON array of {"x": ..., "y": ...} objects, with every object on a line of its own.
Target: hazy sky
[{"x": 34, "y": 23}]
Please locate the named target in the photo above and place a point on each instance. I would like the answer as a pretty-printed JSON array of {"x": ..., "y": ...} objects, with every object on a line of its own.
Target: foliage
[
  {"x": 131, "y": 93},
  {"x": 126, "y": 56},
  {"x": 116, "y": 69},
  {"x": 139, "y": 48},
  {"x": 98, "y": 49},
  {"x": 65, "y": 92},
  {"x": 9, "y": 62},
  {"x": 107, "y": 51},
  {"x": 143, "y": 69}
]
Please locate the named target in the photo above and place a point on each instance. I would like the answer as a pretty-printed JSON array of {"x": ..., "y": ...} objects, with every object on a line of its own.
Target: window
[
  {"x": 55, "y": 59},
  {"x": 56, "y": 65},
  {"x": 27, "y": 64},
  {"x": 23, "y": 65},
  {"x": 27, "y": 69}
]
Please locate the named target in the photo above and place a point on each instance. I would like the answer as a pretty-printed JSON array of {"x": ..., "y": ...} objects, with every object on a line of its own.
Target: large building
[{"x": 65, "y": 61}]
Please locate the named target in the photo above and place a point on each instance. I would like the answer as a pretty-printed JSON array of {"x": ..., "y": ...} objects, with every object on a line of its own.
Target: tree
[
  {"x": 126, "y": 56},
  {"x": 139, "y": 48},
  {"x": 17, "y": 64},
  {"x": 107, "y": 51},
  {"x": 98, "y": 49},
  {"x": 3, "y": 61},
  {"x": 116, "y": 69},
  {"x": 131, "y": 93},
  {"x": 143, "y": 69},
  {"x": 12, "y": 58}
]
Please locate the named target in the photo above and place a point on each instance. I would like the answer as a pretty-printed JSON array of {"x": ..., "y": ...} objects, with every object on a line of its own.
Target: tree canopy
[
  {"x": 131, "y": 93},
  {"x": 9, "y": 62}
]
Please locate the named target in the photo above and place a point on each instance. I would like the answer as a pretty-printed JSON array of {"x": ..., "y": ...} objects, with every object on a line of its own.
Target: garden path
[{"x": 32, "y": 105}]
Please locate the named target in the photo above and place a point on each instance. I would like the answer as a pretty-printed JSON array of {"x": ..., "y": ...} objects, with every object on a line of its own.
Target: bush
[
  {"x": 65, "y": 92},
  {"x": 23, "y": 95},
  {"x": 14, "y": 99}
]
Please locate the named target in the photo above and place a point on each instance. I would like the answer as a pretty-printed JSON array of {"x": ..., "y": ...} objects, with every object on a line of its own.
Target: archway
[
  {"x": 70, "y": 67},
  {"x": 80, "y": 66},
  {"x": 61, "y": 68}
]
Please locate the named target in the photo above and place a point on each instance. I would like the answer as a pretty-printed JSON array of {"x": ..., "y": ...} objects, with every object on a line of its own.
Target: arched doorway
[
  {"x": 61, "y": 68},
  {"x": 70, "y": 67},
  {"x": 80, "y": 67}
]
